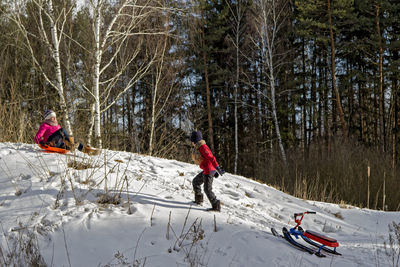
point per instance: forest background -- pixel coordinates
(300, 94)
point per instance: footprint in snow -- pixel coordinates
(228, 185)
(258, 190)
(221, 252)
(232, 194)
(5, 203)
(249, 194)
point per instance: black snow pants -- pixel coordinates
(207, 179)
(58, 138)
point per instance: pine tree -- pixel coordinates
(208, 38)
(319, 27)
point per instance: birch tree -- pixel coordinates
(238, 12)
(49, 27)
(269, 23)
(155, 97)
(111, 38)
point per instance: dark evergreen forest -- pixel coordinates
(303, 95)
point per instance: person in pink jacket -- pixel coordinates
(51, 133)
(203, 156)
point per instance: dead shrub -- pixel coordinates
(113, 199)
(22, 250)
(393, 248)
(79, 165)
(337, 175)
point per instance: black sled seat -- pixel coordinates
(327, 241)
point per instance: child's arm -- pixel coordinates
(40, 133)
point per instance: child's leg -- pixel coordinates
(65, 134)
(56, 139)
(69, 141)
(197, 182)
(208, 180)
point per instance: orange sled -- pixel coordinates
(51, 149)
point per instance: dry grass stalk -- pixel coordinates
(22, 250)
(393, 248)
(151, 217)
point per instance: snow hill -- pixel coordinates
(155, 223)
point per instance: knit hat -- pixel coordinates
(196, 137)
(49, 114)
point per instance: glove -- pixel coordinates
(220, 170)
(42, 143)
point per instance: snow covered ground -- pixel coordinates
(156, 224)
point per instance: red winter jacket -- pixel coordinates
(208, 162)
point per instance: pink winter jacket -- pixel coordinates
(44, 132)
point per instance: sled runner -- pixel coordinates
(315, 239)
(51, 149)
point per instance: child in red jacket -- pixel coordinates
(203, 156)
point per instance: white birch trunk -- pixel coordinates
(153, 118)
(236, 86)
(272, 19)
(236, 122)
(154, 101)
(237, 15)
(237, 33)
(59, 79)
(52, 45)
(91, 124)
(276, 122)
(115, 35)
(96, 74)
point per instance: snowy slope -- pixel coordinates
(156, 225)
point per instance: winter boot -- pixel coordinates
(70, 145)
(198, 199)
(91, 151)
(216, 206)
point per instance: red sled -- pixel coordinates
(51, 149)
(315, 239)
(327, 241)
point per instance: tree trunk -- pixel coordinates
(313, 104)
(382, 132)
(304, 110)
(96, 75)
(60, 85)
(395, 119)
(154, 100)
(238, 19)
(53, 47)
(91, 125)
(113, 37)
(273, 106)
(328, 121)
(210, 124)
(236, 101)
(334, 83)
